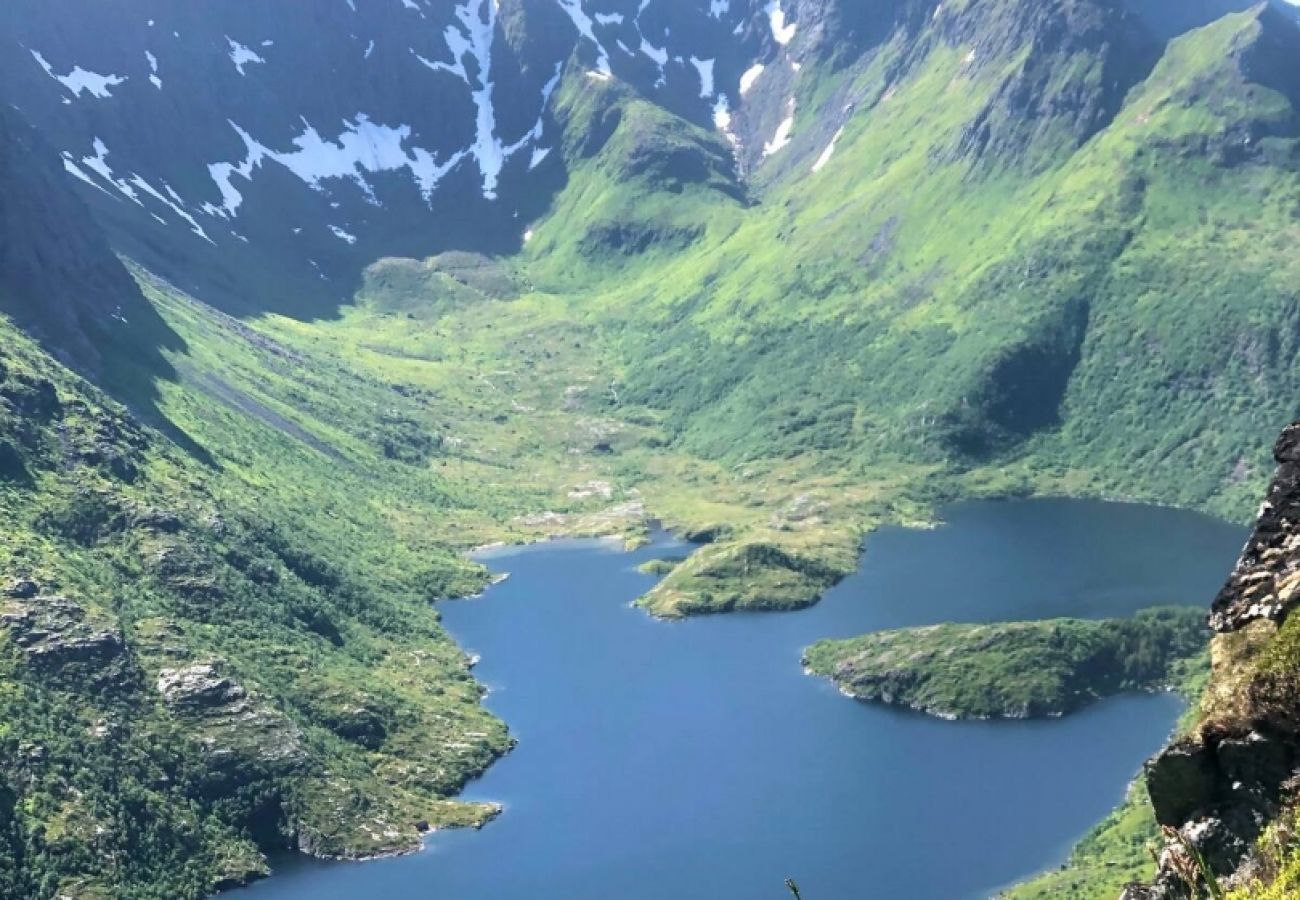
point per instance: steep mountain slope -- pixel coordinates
(200, 667)
(59, 277)
(983, 285)
(771, 272)
(1226, 791)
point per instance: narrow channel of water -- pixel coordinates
(694, 760)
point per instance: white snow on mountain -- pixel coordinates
(363, 147)
(782, 31)
(783, 132)
(705, 68)
(828, 152)
(81, 80)
(586, 27)
(153, 69)
(242, 56)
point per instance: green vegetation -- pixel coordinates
(194, 670)
(658, 567)
(1116, 852)
(1278, 853)
(1041, 260)
(1015, 670)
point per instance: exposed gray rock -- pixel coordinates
(1266, 580)
(21, 588)
(58, 637)
(197, 687)
(235, 727)
(1219, 786)
(1181, 780)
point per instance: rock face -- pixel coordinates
(59, 278)
(1219, 786)
(1266, 581)
(60, 641)
(235, 728)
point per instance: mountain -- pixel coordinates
(232, 145)
(302, 299)
(59, 276)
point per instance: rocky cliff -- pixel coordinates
(1232, 780)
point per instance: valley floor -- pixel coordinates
(532, 440)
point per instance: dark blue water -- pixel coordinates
(695, 760)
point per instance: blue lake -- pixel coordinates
(695, 759)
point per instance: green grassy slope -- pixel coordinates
(201, 663)
(1021, 255)
(1046, 255)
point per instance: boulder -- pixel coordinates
(21, 588)
(1182, 780)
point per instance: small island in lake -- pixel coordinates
(1015, 670)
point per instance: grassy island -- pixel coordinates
(1014, 670)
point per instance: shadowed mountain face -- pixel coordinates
(236, 146)
(59, 277)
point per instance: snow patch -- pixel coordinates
(719, 8)
(79, 80)
(242, 56)
(722, 119)
(750, 76)
(536, 133)
(153, 69)
(586, 27)
(363, 147)
(73, 169)
(826, 154)
(782, 31)
(783, 132)
(705, 68)
(474, 42)
(539, 156)
(131, 187)
(172, 202)
(659, 55)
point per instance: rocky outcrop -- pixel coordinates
(1216, 789)
(1266, 581)
(61, 641)
(59, 278)
(235, 727)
